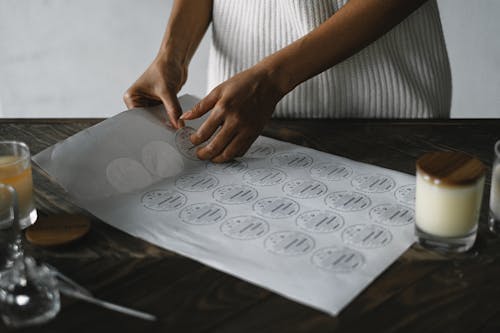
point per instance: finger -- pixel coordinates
(244, 148)
(128, 98)
(218, 143)
(173, 108)
(136, 100)
(207, 129)
(202, 106)
(238, 146)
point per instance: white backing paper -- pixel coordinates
(314, 227)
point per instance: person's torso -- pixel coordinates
(404, 74)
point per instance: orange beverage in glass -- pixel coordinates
(15, 170)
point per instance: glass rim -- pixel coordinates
(21, 157)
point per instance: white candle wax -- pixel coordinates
(447, 210)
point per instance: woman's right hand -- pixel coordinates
(160, 83)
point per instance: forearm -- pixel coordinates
(188, 22)
(353, 27)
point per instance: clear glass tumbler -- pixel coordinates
(494, 221)
(15, 170)
(28, 292)
(7, 216)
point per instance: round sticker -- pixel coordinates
(290, 243)
(320, 221)
(202, 213)
(260, 150)
(127, 175)
(264, 176)
(406, 194)
(196, 182)
(235, 194)
(373, 183)
(347, 201)
(161, 159)
(245, 227)
(367, 236)
(276, 207)
(338, 260)
(331, 171)
(229, 168)
(305, 188)
(183, 143)
(392, 214)
(292, 160)
(163, 200)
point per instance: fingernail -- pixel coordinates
(185, 114)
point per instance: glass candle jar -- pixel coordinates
(448, 200)
(494, 222)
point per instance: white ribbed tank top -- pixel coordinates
(404, 74)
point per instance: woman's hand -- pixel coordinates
(241, 107)
(160, 83)
(165, 77)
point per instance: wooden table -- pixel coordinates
(421, 292)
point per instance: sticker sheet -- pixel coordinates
(314, 227)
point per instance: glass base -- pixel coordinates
(28, 294)
(446, 244)
(494, 223)
(19, 318)
(29, 219)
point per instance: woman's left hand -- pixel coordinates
(241, 107)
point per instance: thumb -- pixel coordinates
(202, 107)
(173, 108)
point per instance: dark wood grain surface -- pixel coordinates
(421, 292)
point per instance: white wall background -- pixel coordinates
(75, 58)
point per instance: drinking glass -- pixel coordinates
(8, 251)
(15, 170)
(494, 221)
(28, 292)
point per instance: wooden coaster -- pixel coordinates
(57, 230)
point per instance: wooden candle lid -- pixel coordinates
(57, 230)
(450, 168)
